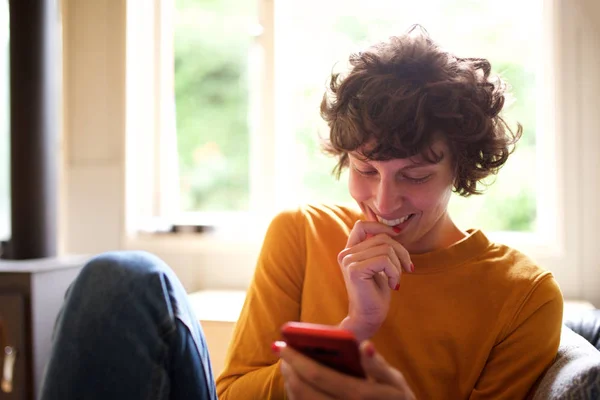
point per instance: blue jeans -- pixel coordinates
(127, 331)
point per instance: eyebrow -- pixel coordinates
(414, 164)
(418, 165)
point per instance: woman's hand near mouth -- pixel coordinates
(372, 265)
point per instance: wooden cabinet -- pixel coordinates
(12, 345)
(31, 294)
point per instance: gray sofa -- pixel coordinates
(575, 373)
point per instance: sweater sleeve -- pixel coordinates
(528, 346)
(251, 369)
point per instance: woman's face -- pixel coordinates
(409, 193)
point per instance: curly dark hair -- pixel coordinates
(399, 95)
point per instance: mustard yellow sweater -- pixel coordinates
(477, 320)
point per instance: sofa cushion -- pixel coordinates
(587, 324)
(575, 373)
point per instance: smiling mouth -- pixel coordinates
(395, 222)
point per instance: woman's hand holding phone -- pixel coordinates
(307, 379)
(372, 265)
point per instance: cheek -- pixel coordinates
(358, 188)
(433, 198)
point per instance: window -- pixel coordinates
(4, 122)
(219, 58)
(561, 164)
(213, 46)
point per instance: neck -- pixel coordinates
(442, 235)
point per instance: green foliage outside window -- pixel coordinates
(212, 45)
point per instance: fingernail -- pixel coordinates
(397, 230)
(370, 350)
(397, 286)
(276, 346)
(412, 267)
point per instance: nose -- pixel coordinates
(387, 198)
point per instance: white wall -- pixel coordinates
(582, 81)
(93, 125)
(92, 204)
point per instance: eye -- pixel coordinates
(418, 180)
(368, 172)
(364, 170)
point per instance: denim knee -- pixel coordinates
(117, 270)
(124, 264)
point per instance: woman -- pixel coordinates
(451, 314)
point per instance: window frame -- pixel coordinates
(5, 202)
(557, 245)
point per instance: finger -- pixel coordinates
(289, 379)
(322, 380)
(363, 228)
(395, 284)
(383, 249)
(372, 254)
(296, 388)
(377, 369)
(374, 365)
(401, 252)
(370, 214)
(381, 280)
(369, 269)
(403, 257)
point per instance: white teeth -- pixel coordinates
(394, 222)
(390, 223)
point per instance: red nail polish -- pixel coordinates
(275, 347)
(370, 350)
(397, 286)
(412, 267)
(397, 230)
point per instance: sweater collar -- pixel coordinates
(472, 245)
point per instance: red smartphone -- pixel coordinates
(333, 347)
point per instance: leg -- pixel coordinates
(126, 331)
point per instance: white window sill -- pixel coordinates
(251, 235)
(226, 258)
(217, 305)
(226, 305)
